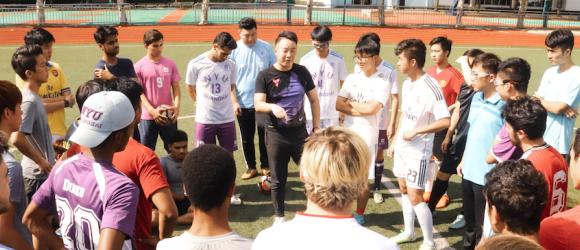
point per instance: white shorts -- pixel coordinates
(414, 170)
(324, 123)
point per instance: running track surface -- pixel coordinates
(346, 34)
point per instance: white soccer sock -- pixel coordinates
(408, 215)
(425, 221)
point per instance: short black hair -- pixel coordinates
(373, 36)
(24, 58)
(517, 70)
(247, 23)
(178, 136)
(3, 145)
(288, 35)
(128, 87)
(38, 36)
(103, 32)
(472, 53)
(526, 113)
(519, 193)
(443, 41)
(561, 38)
(209, 172)
(412, 49)
(367, 47)
(152, 36)
(87, 89)
(10, 96)
(321, 34)
(225, 40)
(489, 62)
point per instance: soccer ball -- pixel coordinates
(265, 185)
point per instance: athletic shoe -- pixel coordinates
(458, 223)
(403, 238)
(378, 197)
(359, 218)
(249, 174)
(278, 220)
(443, 202)
(235, 200)
(426, 246)
(265, 171)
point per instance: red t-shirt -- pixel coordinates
(450, 81)
(560, 231)
(142, 166)
(548, 161)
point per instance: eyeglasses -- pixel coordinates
(475, 75)
(504, 82)
(323, 45)
(361, 58)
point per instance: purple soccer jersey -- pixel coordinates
(89, 197)
(504, 149)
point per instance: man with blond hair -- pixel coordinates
(334, 169)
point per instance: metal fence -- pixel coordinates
(276, 13)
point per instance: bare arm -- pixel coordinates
(394, 114)
(452, 126)
(176, 100)
(431, 128)
(9, 236)
(490, 158)
(192, 92)
(261, 105)
(35, 218)
(18, 139)
(234, 98)
(559, 108)
(163, 200)
(315, 107)
(111, 239)
(357, 109)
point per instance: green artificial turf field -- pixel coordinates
(78, 62)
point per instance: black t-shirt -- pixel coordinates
(465, 95)
(286, 89)
(123, 68)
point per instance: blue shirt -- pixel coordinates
(250, 61)
(485, 121)
(561, 87)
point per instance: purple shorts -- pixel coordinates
(383, 143)
(225, 134)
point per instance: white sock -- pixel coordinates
(425, 221)
(408, 215)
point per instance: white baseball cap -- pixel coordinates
(102, 114)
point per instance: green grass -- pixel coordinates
(78, 62)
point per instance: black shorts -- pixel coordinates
(450, 163)
(439, 137)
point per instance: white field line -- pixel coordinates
(440, 242)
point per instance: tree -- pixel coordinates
(522, 13)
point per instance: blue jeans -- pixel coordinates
(149, 130)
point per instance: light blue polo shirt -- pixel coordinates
(250, 61)
(560, 87)
(484, 121)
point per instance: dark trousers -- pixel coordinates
(283, 144)
(149, 130)
(474, 210)
(247, 123)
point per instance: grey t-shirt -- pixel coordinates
(187, 241)
(35, 125)
(172, 170)
(17, 194)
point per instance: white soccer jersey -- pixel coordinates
(423, 104)
(389, 74)
(326, 74)
(359, 88)
(213, 82)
